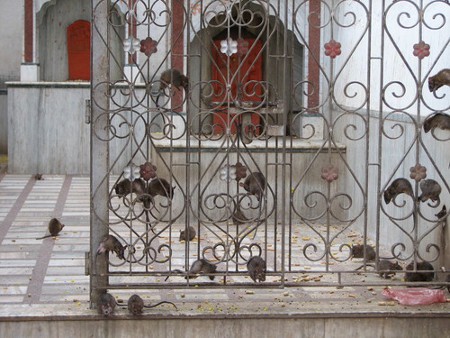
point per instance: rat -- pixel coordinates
(198, 267)
(126, 187)
(111, 243)
(175, 78)
(172, 77)
(357, 251)
(443, 213)
(160, 186)
(436, 120)
(438, 80)
(202, 266)
(430, 190)
(388, 268)
(256, 267)
(136, 305)
(255, 184)
(397, 187)
(54, 228)
(106, 304)
(419, 276)
(190, 234)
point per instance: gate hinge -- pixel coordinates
(87, 111)
(87, 263)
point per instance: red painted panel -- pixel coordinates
(241, 69)
(79, 50)
(28, 44)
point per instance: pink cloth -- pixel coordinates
(416, 296)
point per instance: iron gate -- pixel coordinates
(289, 130)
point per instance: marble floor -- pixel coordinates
(46, 277)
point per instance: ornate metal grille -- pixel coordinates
(288, 130)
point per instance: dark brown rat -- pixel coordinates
(111, 243)
(387, 268)
(54, 228)
(202, 266)
(358, 250)
(436, 120)
(137, 187)
(256, 267)
(422, 276)
(126, 187)
(438, 80)
(106, 304)
(442, 213)
(160, 186)
(255, 184)
(175, 78)
(397, 187)
(189, 234)
(430, 190)
(136, 305)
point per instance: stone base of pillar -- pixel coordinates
(29, 72)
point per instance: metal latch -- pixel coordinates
(87, 263)
(87, 111)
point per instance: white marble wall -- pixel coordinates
(3, 124)
(47, 133)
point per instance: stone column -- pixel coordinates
(29, 69)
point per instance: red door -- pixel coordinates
(240, 69)
(79, 50)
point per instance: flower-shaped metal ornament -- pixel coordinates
(421, 50)
(131, 45)
(131, 173)
(228, 46)
(228, 173)
(329, 173)
(332, 49)
(147, 171)
(418, 172)
(149, 46)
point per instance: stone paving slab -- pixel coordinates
(40, 278)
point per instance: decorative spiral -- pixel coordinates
(153, 253)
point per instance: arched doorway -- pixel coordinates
(276, 81)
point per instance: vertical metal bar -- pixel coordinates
(416, 213)
(99, 147)
(288, 102)
(380, 127)
(367, 138)
(327, 113)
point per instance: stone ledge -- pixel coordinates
(293, 145)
